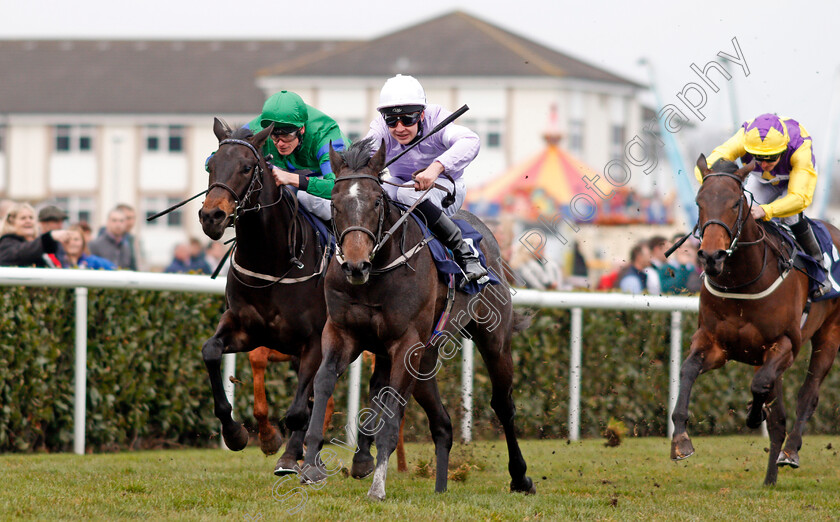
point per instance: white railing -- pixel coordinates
(81, 280)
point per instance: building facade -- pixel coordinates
(90, 124)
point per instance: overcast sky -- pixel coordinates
(792, 51)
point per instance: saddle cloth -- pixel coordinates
(445, 263)
(811, 265)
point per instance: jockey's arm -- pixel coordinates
(461, 147)
(801, 185)
(732, 149)
(319, 186)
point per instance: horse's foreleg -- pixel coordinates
(235, 435)
(270, 438)
(778, 358)
(338, 351)
(704, 355)
(776, 420)
(363, 460)
(823, 353)
(428, 397)
(402, 465)
(298, 414)
(297, 418)
(392, 400)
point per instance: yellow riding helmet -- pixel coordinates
(766, 135)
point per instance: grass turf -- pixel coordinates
(579, 480)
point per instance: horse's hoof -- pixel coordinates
(788, 458)
(361, 469)
(286, 465)
(271, 443)
(312, 475)
(376, 496)
(236, 438)
(526, 486)
(681, 447)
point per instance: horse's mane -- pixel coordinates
(722, 165)
(358, 155)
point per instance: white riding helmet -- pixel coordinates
(401, 90)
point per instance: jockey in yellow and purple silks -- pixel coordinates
(784, 179)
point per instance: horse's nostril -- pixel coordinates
(218, 215)
(364, 267)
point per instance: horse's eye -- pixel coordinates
(377, 203)
(246, 169)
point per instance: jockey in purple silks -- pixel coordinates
(405, 118)
(784, 179)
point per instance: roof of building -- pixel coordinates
(218, 77)
(139, 77)
(454, 44)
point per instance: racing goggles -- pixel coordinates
(406, 119)
(769, 158)
(286, 134)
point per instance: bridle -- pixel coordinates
(739, 222)
(240, 201)
(379, 239)
(739, 226)
(384, 209)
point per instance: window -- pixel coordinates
(617, 139)
(73, 138)
(576, 136)
(489, 131)
(176, 138)
(353, 128)
(153, 205)
(171, 137)
(78, 208)
(62, 138)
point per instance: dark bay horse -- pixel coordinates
(392, 312)
(275, 291)
(751, 308)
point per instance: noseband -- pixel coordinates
(739, 222)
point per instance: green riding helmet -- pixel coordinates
(284, 109)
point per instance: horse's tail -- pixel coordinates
(522, 320)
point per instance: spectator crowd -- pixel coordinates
(48, 241)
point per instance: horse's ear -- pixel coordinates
(221, 129)
(702, 165)
(263, 135)
(745, 170)
(336, 161)
(377, 162)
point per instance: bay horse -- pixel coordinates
(391, 311)
(751, 308)
(274, 292)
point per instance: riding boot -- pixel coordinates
(450, 235)
(808, 241)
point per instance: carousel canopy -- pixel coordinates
(542, 185)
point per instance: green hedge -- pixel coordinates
(147, 385)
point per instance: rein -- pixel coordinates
(725, 291)
(379, 239)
